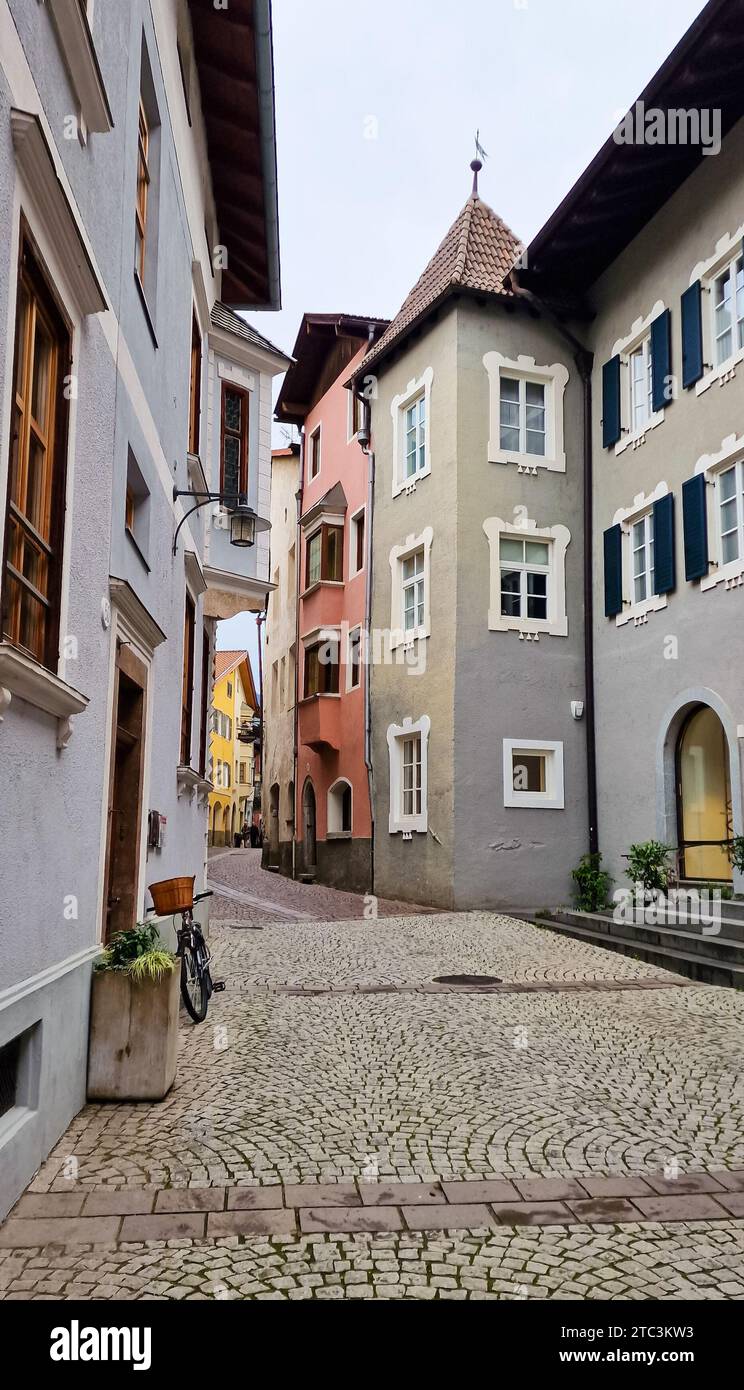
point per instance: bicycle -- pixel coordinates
(197, 985)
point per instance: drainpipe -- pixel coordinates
(365, 436)
(260, 620)
(584, 360)
(296, 721)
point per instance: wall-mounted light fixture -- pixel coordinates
(245, 524)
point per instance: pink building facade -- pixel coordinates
(332, 816)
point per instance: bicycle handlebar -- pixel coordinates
(208, 893)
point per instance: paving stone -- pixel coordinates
(124, 1201)
(448, 1217)
(616, 1186)
(350, 1219)
(40, 1204)
(63, 1230)
(309, 1194)
(531, 1213)
(601, 1209)
(733, 1181)
(549, 1189)
(258, 1222)
(191, 1199)
(684, 1184)
(396, 1193)
(493, 1190)
(163, 1226)
(733, 1202)
(254, 1198)
(693, 1207)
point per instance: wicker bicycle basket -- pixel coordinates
(172, 895)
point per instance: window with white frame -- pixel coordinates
(527, 577)
(415, 438)
(533, 774)
(356, 544)
(410, 564)
(523, 416)
(525, 570)
(642, 557)
(724, 474)
(728, 310)
(641, 386)
(639, 558)
(413, 591)
(354, 659)
(526, 412)
(314, 453)
(411, 415)
(730, 507)
(340, 798)
(408, 749)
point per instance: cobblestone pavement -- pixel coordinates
(282, 1088)
(254, 895)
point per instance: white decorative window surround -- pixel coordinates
(340, 810)
(553, 380)
(724, 472)
(20, 675)
(410, 464)
(638, 557)
(410, 605)
(72, 22)
(557, 539)
(533, 774)
(637, 415)
(408, 749)
(728, 253)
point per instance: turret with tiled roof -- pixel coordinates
(475, 257)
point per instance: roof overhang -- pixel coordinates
(626, 184)
(228, 594)
(318, 336)
(234, 58)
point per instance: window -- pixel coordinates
(356, 549)
(642, 550)
(143, 186)
(340, 809)
(354, 659)
(243, 772)
(229, 690)
(37, 471)
(324, 555)
(533, 774)
(730, 498)
(528, 577)
(234, 452)
(728, 310)
(641, 386)
(205, 694)
(408, 749)
(525, 569)
(356, 415)
(129, 511)
(415, 438)
(137, 508)
(321, 668)
(315, 453)
(413, 592)
(188, 682)
(522, 416)
(195, 387)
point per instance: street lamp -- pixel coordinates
(244, 523)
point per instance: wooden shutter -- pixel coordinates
(613, 571)
(664, 567)
(695, 520)
(692, 335)
(611, 402)
(661, 359)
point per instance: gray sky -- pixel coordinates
(544, 80)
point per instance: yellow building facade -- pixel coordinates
(232, 747)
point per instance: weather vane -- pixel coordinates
(477, 163)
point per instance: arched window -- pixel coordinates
(340, 808)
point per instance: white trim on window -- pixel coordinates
(359, 516)
(357, 628)
(558, 539)
(730, 454)
(413, 545)
(728, 249)
(398, 735)
(334, 810)
(552, 798)
(415, 390)
(317, 433)
(628, 517)
(637, 340)
(554, 379)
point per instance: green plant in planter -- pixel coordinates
(648, 864)
(592, 883)
(726, 891)
(139, 953)
(736, 852)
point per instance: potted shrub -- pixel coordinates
(592, 883)
(133, 1042)
(649, 867)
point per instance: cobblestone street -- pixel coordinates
(343, 1126)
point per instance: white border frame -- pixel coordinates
(349, 688)
(727, 249)
(396, 733)
(626, 517)
(551, 800)
(559, 539)
(353, 522)
(398, 636)
(623, 348)
(555, 379)
(339, 834)
(416, 387)
(312, 477)
(711, 466)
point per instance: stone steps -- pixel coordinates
(708, 959)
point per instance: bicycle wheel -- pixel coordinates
(194, 984)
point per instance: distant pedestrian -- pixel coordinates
(245, 832)
(254, 837)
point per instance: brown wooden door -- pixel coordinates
(125, 796)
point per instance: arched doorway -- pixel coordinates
(308, 825)
(704, 812)
(226, 826)
(274, 822)
(216, 823)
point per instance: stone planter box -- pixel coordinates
(133, 1042)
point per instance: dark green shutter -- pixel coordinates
(613, 571)
(692, 335)
(611, 402)
(661, 359)
(664, 544)
(695, 520)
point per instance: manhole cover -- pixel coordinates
(467, 980)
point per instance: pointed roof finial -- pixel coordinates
(477, 163)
